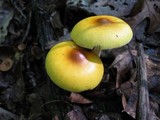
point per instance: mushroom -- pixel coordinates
(6, 58)
(73, 68)
(101, 32)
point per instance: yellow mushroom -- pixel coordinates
(73, 68)
(104, 31)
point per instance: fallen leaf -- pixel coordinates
(153, 67)
(152, 40)
(129, 90)
(123, 64)
(75, 114)
(77, 98)
(155, 97)
(130, 105)
(112, 7)
(103, 6)
(55, 117)
(149, 10)
(104, 117)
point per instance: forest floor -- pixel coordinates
(130, 88)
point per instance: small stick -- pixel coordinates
(17, 8)
(28, 27)
(143, 106)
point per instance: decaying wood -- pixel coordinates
(143, 93)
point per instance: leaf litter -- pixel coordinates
(149, 9)
(31, 31)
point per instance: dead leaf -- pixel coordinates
(112, 7)
(77, 98)
(153, 68)
(153, 72)
(155, 97)
(102, 7)
(152, 40)
(104, 117)
(123, 65)
(129, 90)
(55, 117)
(130, 104)
(149, 10)
(75, 114)
(130, 107)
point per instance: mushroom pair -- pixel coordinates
(75, 69)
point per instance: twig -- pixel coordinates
(17, 8)
(143, 106)
(28, 27)
(56, 101)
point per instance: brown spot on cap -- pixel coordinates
(77, 56)
(103, 21)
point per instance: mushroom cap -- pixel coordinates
(103, 30)
(73, 68)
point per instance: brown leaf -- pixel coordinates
(129, 90)
(149, 10)
(153, 68)
(153, 73)
(123, 64)
(130, 105)
(75, 114)
(55, 117)
(77, 98)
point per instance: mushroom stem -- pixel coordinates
(97, 50)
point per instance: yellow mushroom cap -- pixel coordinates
(73, 68)
(103, 30)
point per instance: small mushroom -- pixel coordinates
(6, 58)
(5, 64)
(101, 32)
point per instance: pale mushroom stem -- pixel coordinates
(97, 50)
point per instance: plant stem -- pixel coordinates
(97, 50)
